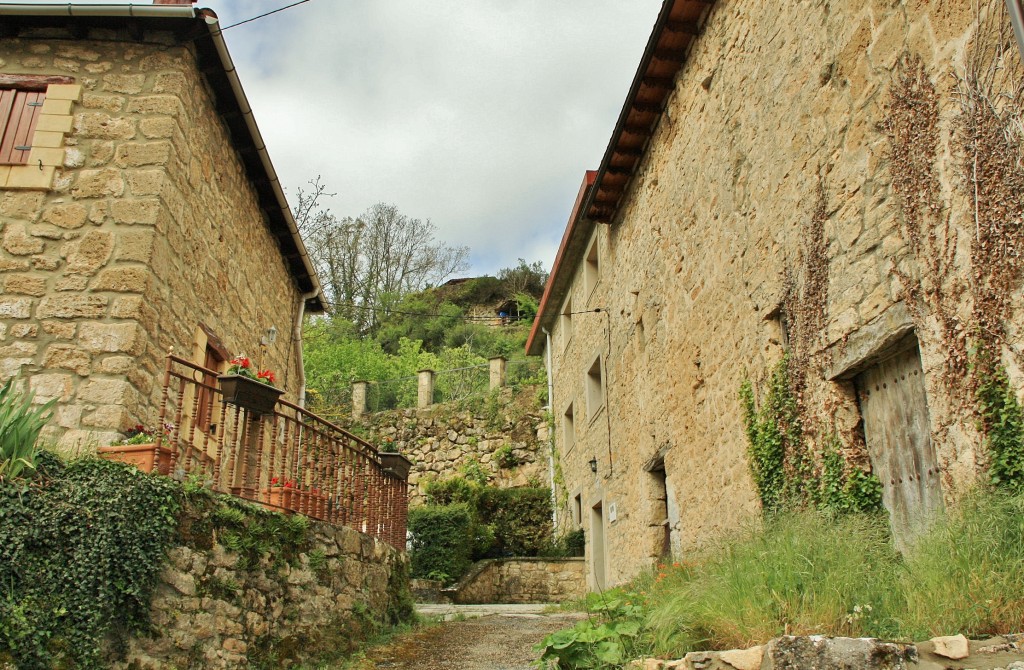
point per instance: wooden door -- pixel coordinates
(894, 406)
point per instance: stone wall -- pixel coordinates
(150, 227)
(209, 612)
(773, 136)
(522, 580)
(443, 440)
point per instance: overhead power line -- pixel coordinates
(257, 18)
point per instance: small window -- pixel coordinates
(568, 429)
(577, 510)
(595, 388)
(592, 267)
(565, 323)
(19, 112)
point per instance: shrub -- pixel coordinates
(964, 576)
(442, 541)
(520, 517)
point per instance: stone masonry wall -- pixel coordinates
(150, 227)
(442, 441)
(776, 115)
(208, 612)
(523, 580)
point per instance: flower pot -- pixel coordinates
(255, 396)
(139, 455)
(395, 464)
(278, 498)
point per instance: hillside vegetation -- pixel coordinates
(454, 327)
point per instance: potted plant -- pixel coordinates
(139, 448)
(281, 494)
(392, 462)
(249, 389)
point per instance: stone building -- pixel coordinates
(140, 212)
(839, 180)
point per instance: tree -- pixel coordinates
(526, 278)
(368, 264)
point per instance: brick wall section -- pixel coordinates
(694, 262)
(150, 226)
(522, 580)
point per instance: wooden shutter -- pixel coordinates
(19, 111)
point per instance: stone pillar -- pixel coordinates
(498, 365)
(425, 392)
(359, 399)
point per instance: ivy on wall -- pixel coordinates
(80, 550)
(786, 472)
(1002, 419)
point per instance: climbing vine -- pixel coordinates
(80, 551)
(785, 472)
(990, 91)
(933, 285)
(1002, 419)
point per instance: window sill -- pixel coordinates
(595, 415)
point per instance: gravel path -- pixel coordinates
(499, 641)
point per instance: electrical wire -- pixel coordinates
(256, 18)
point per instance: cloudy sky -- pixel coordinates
(480, 115)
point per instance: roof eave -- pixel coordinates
(559, 282)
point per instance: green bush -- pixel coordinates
(80, 551)
(442, 541)
(20, 425)
(501, 522)
(520, 517)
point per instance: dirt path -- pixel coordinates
(501, 641)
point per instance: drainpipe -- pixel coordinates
(297, 338)
(1017, 19)
(551, 429)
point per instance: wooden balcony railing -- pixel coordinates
(290, 459)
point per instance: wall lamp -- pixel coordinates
(270, 337)
(593, 465)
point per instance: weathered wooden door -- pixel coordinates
(895, 410)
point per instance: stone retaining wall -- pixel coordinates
(211, 612)
(522, 580)
(443, 441)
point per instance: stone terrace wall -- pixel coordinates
(770, 158)
(150, 228)
(442, 440)
(522, 580)
(210, 613)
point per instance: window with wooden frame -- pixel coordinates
(19, 113)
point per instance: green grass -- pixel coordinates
(806, 573)
(967, 575)
(800, 574)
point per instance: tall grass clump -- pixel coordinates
(800, 573)
(966, 575)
